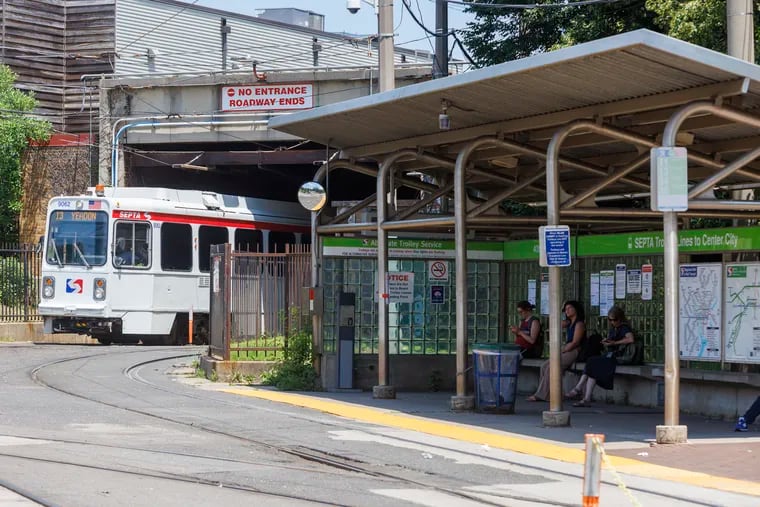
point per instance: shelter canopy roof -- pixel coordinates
(631, 82)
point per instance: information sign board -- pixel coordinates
(669, 179)
(554, 245)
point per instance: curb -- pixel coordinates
(508, 442)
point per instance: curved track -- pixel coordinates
(328, 462)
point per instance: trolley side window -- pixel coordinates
(208, 236)
(278, 240)
(77, 238)
(176, 247)
(132, 248)
(248, 240)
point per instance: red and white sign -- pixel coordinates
(268, 97)
(399, 287)
(130, 215)
(438, 271)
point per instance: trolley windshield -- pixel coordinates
(77, 238)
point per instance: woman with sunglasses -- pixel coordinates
(575, 331)
(600, 370)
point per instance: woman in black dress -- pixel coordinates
(601, 369)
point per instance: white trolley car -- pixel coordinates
(132, 264)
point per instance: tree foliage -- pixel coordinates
(498, 35)
(17, 129)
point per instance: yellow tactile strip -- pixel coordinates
(500, 441)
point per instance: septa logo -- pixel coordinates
(74, 286)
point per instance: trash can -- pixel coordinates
(495, 368)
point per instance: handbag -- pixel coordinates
(630, 353)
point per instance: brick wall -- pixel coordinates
(50, 171)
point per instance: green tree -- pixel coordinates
(17, 128)
(500, 35)
(701, 22)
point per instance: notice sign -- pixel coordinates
(268, 97)
(401, 287)
(646, 282)
(634, 281)
(554, 245)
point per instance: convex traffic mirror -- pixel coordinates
(312, 196)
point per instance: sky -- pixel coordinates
(364, 22)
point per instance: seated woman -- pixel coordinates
(575, 331)
(600, 370)
(528, 333)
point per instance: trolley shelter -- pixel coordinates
(636, 133)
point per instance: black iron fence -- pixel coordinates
(20, 266)
(255, 301)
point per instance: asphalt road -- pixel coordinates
(110, 426)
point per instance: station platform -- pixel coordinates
(715, 456)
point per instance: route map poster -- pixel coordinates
(699, 315)
(742, 313)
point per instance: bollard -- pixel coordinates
(592, 469)
(190, 327)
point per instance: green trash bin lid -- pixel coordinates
(501, 347)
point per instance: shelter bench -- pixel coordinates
(719, 394)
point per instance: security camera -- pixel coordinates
(353, 6)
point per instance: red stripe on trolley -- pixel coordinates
(212, 221)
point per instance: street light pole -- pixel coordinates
(385, 41)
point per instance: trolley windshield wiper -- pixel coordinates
(55, 253)
(81, 255)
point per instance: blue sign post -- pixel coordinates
(554, 245)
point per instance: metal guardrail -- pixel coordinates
(252, 297)
(20, 266)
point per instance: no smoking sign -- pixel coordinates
(438, 271)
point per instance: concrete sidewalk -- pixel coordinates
(714, 457)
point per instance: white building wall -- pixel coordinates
(186, 38)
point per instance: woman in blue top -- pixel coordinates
(575, 331)
(601, 369)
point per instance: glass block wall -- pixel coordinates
(646, 317)
(421, 327)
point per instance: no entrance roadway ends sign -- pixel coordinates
(268, 97)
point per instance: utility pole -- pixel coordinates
(385, 41)
(740, 29)
(441, 65)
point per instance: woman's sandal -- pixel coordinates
(582, 403)
(572, 394)
(532, 398)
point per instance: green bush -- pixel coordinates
(295, 372)
(11, 281)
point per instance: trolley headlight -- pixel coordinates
(99, 289)
(48, 287)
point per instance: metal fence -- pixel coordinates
(256, 301)
(20, 266)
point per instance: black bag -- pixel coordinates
(630, 353)
(591, 346)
